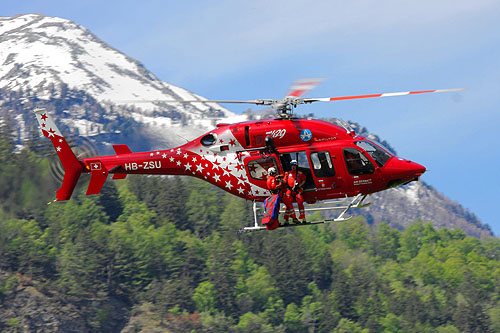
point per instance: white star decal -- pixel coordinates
(178, 152)
(199, 168)
(185, 155)
(164, 155)
(228, 185)
(178, 163)
(58, 148)
(157, 153)
(241, 190)
(60, 140)
(241, 181)
(188, 166)
(151, 154)
(194, 159)
(172, 159)
(217, 178)
(226, 173)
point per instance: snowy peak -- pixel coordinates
(40, 52)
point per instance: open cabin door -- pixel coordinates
(302, 164)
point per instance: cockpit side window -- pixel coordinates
(357, 164)
(379, 155)
(322, 164)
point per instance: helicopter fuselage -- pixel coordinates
(235, 157)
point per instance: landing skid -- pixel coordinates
(340, 204)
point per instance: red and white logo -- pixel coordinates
(95, 166)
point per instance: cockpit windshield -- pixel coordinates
(378, 154)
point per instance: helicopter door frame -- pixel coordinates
(304, 165)
(360, 170)
(323, 169)
(256, 166)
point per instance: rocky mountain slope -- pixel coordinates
(417, 201)
(57, 64)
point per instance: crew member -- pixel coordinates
(277, 185)
(295, 179)
(274, 183)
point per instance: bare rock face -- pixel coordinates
(24, 308)
(418, 201)
(28, 310)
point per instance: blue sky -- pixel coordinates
(255, 49)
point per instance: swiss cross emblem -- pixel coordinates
(95, 166)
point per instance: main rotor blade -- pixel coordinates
(331, 99)
(257, 102)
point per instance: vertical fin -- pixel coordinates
(72, 166)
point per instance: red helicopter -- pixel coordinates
(341, 168)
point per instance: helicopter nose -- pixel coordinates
(401, 171)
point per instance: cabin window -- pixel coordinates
(357, 163)
(379, 155)
(258, 168)
(300, 157)
(208, 139)
(247, 135)
(322, 164)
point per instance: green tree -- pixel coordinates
(251, 322)
(386, 241)
(348, 326)
(292, 319)
(205, 297)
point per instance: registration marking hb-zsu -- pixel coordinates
(144, 165)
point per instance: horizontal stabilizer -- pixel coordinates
(122, 149)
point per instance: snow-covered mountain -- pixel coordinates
(57, 64)
(44, 56)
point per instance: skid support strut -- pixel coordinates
(341, 204)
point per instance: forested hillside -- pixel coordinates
(160, 253)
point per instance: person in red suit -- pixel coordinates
(277, 185)
(274, 183)
(295, 179)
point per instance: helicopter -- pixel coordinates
(341, 168)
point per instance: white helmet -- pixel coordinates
(271, 171)
(293, 162)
